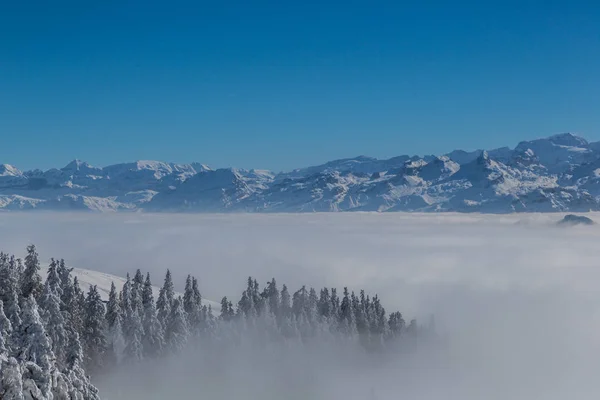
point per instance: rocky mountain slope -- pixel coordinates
(558, 173)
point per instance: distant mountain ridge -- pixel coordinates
(557, 173)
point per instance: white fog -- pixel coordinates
(515, 298)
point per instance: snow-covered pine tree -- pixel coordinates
(324, 305)
(80, 387)
(53, 278)
(227, 312)
(138, 279)
(31, 283)
(286, 303)
(196, 292)
(347, 322)
(165, 300)
(153, 341)
(192, 305)
(74, 306)
(272, 297)
(94, 328)
(65, 275)
(34, 351)
(133, 333)
(11, 381)
(299, 301)
(9, 289)
(137, 286)
(53, 317)
(114, 322)
(396, 324)
(5, 331)
(177, 331)
(126, 296)
(113, 308)
(188, 296)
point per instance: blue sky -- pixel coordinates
(279, 85)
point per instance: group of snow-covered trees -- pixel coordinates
(53, 335)
(43, 331)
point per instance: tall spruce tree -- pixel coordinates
(165, 300)
(54, 319)
(11, 381)
(177, 331)
(35, 350)
(94, 328)
(31, 283)
(5, 331)
(153, 341)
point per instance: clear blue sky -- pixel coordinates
(282, 84)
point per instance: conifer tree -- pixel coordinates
(53, 279)
(165, 300)
(74, 306)
(9, 289)
(227, 312)
(34, 349)
(133, 332)
(80, 385)
(32, 281)
(196, 292)
(188, 296)
(286, 306)
(177, 328)
(11, 382)
(113, 308)
(114, 322)
(272, 296)
(54, 319)
(94, 328)
(325, 304)
(5, 331)
(396, 324)
(347, 321)
(153, 341)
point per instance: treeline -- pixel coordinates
(53, 335)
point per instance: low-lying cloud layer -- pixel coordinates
(516, 297)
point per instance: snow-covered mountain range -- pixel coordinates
(558, 173)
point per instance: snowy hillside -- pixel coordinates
(103, 282)
(558, 173)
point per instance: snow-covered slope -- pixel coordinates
(558, 173)
(103, 281)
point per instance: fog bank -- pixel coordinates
(515, 297)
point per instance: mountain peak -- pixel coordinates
(568, 139)
(76, 164)
(9, 170)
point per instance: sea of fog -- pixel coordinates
(515, 297)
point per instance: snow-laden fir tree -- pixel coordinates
(53, 317)
(5, 331)
(35, 352)
(31, 282)
(11, 379)
(166, 296)
(94, 329)
(79, 385)
(114, 321)
(10, 288)
(177, 331)
(153, 340)
(286, 302)
(74, 305)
